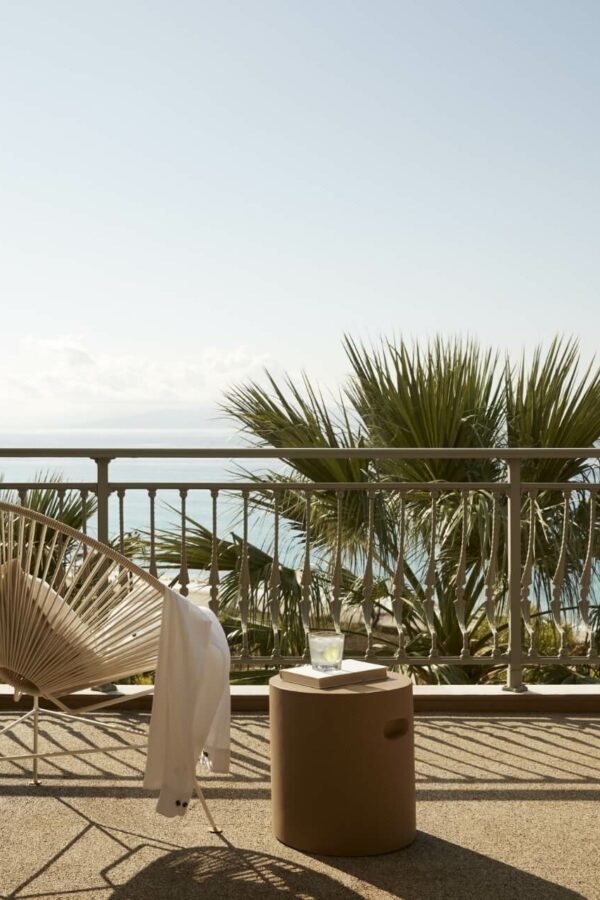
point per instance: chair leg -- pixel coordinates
(36, 729)
(213, 826)
(16, 722)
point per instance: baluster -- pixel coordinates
(398, 601)
(558, 579)
(461, 576)
(430, 579)
(214, 579)
(84, 518)
(244, 601)
(152, 498)
(527, 574)
(121, 495)
(491, 576)
(275, 579)
(61, 513)
(22, 492)
(184, 579)
(84, 511)
(336, 601)
(23, 499)
(61, 503)
(586, 579)
(103, 492)
(367, 602)
(306, 580)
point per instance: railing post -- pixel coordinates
(515, 649)
(103, 496)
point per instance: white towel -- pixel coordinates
(191, 707)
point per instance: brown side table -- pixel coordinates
(342, 767)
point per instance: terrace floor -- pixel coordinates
(508, 807)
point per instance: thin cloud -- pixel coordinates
(61, 380)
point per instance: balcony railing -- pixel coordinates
(304, 526)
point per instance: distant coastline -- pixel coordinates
(136, 508)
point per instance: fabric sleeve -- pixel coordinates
(216, 744)
(171, 763)
(191, 708)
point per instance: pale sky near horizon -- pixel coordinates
(191, 190)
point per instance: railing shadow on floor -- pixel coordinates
(548, 758)
(467, 757)
(120, 775)
(63, 735)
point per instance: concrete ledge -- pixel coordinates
(441, 699)
(250, 698)
(130, 693)
(246, 698)
(538, 698)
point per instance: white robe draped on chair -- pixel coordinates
(191, 707)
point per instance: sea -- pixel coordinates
(136, 507)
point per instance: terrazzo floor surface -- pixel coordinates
(508, 807)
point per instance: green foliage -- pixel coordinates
(448, 393)
(48, 502)
(260, 562)
(550, 403)
(67, 507)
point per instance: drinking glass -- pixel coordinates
(326, 650)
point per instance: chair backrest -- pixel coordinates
(74, 613)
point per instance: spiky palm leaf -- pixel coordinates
(446, 394)
(199, 551)
(65, 505)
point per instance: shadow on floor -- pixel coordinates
(225, 873)
(431, 869)
(434, 869)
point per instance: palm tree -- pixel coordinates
(448, 393)
(67, 506)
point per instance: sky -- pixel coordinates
(192, 191)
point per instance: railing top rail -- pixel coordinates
(111, 453)
(498, 487)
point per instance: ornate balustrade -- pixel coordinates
(443, 574)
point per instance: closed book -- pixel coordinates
(353, 671)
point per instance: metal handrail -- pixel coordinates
(111, 453)
(513, 488)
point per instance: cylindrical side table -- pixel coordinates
(342, 767)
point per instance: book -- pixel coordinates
(353, 671)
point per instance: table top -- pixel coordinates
(393, 682)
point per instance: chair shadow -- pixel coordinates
(430, 869)
(226, 873)
(434, 869)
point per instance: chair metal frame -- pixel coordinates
(18, 526)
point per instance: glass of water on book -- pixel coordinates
(326, 650)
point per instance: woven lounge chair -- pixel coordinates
(74, 614)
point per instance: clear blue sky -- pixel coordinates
(190, 189)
